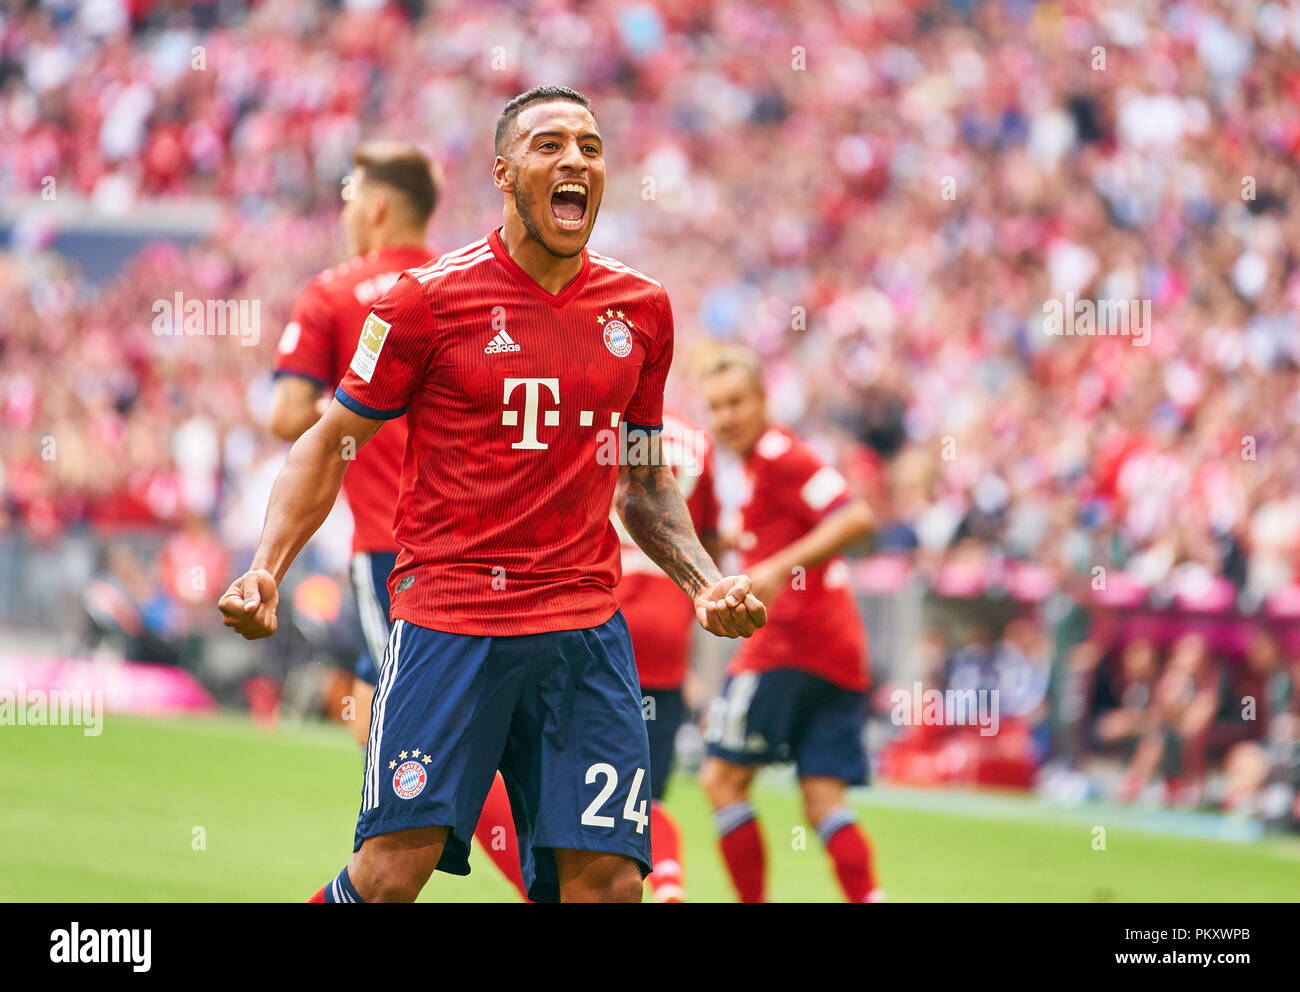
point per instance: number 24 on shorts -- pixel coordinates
(592, 818)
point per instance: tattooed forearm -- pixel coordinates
(655, 514)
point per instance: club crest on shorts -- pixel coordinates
(617, 334)
(410, 779)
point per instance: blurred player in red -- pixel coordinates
(796, 691)
(661, 622)
(392, 195)
(531, 373)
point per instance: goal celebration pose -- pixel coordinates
(531, 372)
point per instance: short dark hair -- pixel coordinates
(538, 94)
(403, 167)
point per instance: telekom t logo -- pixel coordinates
(510, 418)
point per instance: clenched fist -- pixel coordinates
(249, 604)
(729, 608)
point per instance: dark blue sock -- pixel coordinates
(341, 890)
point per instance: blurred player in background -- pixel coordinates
(661, 622)
(391, 197)
(797, 690)
(533, 370)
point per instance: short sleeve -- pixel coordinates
(646, 408)
(392, 354)
(307, 345)
(818, 490)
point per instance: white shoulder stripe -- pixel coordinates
(467, 263)
(614, 265)
(455, 265)
(450, 256)
(462, 251)
(447, 261)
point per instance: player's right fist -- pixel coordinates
(249, 604)
(730, 609)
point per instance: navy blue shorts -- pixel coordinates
(785, 715)
(663, 710)
(558, 713)
(370, 570)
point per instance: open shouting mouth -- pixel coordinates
(569, 205)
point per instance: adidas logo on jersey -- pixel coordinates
(502, 342)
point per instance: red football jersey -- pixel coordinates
(515, 399)
(318, 343)
(659, 616)
(816, 628)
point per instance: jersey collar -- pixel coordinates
(556, 300)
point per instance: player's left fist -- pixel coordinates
(729, 608)
(249, 604)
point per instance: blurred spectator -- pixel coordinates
(1022, 663)
(1170, 734)
(125, 608)
(1122, 701)
(1264, 774)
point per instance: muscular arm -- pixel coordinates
(307, 486)
(654, 512)
(839, 530)
(301, 499)
(712, 542)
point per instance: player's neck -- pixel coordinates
(551, 272)
(753, 442)
(400, 238)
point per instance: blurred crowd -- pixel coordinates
(1171, 712)
(1148, 708)
(879, 197)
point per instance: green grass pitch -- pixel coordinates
(118, 818)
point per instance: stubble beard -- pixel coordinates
(524, 206)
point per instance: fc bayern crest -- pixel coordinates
(618, 339)
(409, 779)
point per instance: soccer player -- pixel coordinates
(797, 690)
(531, 373)
(393, 194)
(660, 621)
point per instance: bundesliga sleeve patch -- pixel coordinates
(374, 332)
